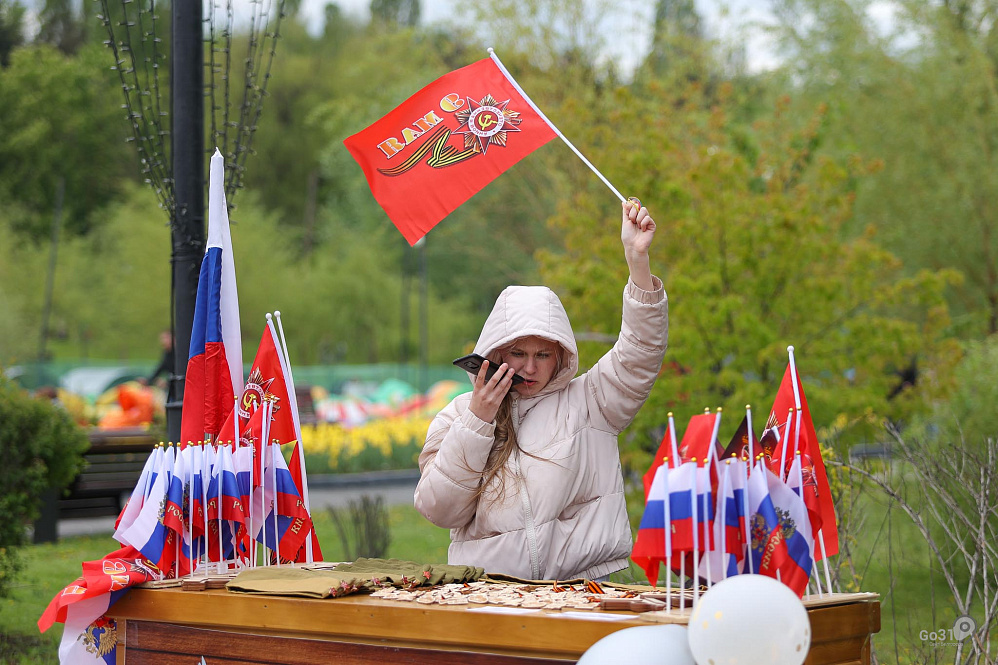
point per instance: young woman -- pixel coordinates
(527, 477)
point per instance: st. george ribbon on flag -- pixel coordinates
(447, 142)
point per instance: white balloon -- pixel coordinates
(749, 620)
(644, 645)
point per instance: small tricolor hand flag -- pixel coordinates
(445, 143)
(215, 363)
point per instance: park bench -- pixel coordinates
(114, 462)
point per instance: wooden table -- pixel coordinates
(160, 626)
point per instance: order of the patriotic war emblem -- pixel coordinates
(483, 123)
(256, 391)
(486, 123)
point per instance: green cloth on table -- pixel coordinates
(362, 574)
(275, 581)
(379, 572)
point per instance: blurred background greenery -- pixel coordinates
(837, 195)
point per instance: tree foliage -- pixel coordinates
(11, 29)
(59, 119)
(921, 94)
(42, 448)
(755, 256)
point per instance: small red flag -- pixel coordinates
(445, 143)
(698, 439)
(817, 494)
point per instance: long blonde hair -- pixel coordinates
(505, 434)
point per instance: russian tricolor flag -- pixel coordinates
(667, 523)
(215, 362)
(800, 543)
(284, 510)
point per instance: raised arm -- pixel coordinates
(637, 229)
(618, 385)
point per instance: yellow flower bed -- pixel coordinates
(387, 439)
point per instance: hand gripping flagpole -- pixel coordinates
(509, 77)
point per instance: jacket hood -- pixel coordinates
(525, 311)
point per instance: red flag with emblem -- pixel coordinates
(817, 493)
(444, 144)
(117, 571)
(266, 382)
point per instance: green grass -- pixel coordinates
(892, 544)
(48, 568)
(412, 537)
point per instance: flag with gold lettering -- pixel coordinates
(445, 143)
(89, 636)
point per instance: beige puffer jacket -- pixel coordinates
(563, 514)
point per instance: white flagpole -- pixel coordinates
(668, 518)
(695, 491)
(275, 450)
(724, 517)
(264, 436)
(526, 97)
(797, 403)
(748, 517)
(708, 532)
(751, 449)
(800, 483)
(672, 440)
(235, 447)
(682, 580)
(205, 481)
(300, 447)
(176, 554)
(783, 450)
(221, 550)
(252, 532)
(189, 527)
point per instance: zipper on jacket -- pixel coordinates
(528, 513)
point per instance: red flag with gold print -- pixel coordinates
(445, 143)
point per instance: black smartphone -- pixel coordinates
(473, 362)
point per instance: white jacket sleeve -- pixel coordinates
(620, 382)
(451, 465)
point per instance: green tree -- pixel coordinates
(394, 14)
(755, 259)
(11, 29)
(286, 174)
(42, 448)
(59, 118)
(920, 93)
(63, 26)
(112, 286)
(678, 41)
